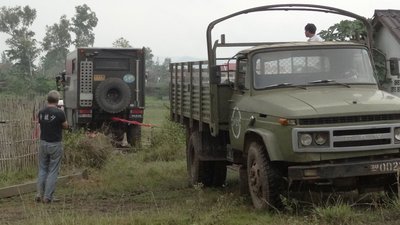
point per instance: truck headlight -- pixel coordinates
(306, 139)
(321, 138)
(397, 133)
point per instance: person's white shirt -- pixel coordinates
(316, 37)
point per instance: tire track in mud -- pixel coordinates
(16, 210)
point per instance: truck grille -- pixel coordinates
(348, 119)
(349, 138)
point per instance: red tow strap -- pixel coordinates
(133, 122)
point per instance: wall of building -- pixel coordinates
(385, 41)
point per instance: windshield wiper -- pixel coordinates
(328, 81)
(285, 85)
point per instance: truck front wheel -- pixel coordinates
(264, 179)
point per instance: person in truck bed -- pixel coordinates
(310, 30)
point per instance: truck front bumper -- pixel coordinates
(343, 170)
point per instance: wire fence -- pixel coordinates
(19, 133)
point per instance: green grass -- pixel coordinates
(16, 177)
(128, 190)
(156, 111)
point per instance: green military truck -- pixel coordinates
(295, 114)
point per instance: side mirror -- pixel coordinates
(63, 77)
(58, 82)
(394, 66)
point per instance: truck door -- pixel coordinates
(240, 93)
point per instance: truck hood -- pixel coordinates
(324, 101)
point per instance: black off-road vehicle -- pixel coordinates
(101, 84)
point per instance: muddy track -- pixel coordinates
(22, 208)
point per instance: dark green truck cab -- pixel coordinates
(296, 114)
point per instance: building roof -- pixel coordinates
(390, 19)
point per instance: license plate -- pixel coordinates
(99, 77)
(385, 167)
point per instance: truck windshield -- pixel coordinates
(304, 67)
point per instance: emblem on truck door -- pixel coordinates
(235, 122)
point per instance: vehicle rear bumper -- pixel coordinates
(343, 170)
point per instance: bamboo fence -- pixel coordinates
(19, 133)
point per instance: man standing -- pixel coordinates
(310, 30)
(52, 120)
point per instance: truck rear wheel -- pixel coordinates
(265, 181)
(208, 173)
(133, 135)
(219, 173)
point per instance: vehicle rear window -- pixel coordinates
(111, 64)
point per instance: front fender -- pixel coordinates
(270, 142)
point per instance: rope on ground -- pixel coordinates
(133, 122)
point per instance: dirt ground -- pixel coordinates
(18, 209)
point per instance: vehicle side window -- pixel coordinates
(242, 81)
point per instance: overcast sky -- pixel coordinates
(177, 28)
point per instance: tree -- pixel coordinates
(82, 25)
(149, 57)
(345, 30)
(158, 78)
(4, 58)
(121, 43)
(55, 45)
(15, 21)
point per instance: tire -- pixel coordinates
(113, 95)
(114, 132)
(265, 181)
(208, 173)
(392, 188)
(133, 135)
(243, 181)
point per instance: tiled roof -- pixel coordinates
(388, 18)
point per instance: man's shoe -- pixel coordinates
(38, 199)
(46, 201)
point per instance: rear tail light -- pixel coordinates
(136, 111)
(85, 113)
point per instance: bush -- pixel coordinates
(167, 144)
(86, 149)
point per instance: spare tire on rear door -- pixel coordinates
(113, 95)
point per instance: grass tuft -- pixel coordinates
(86, 150)
(333, 214)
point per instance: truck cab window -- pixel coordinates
(242, 81)
(300, 67)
